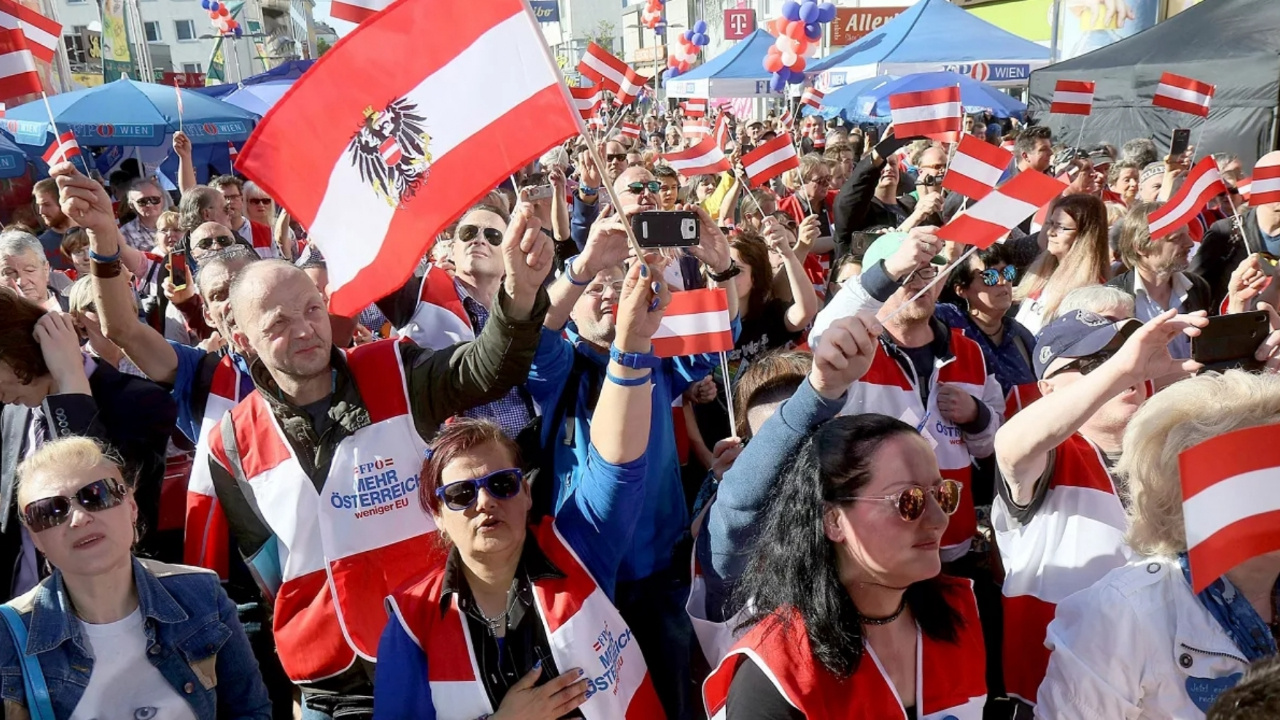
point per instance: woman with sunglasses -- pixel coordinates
(116, 636)
(851, 616)
(519, 623)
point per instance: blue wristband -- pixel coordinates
(568, 273)
(104, 259)
(638, 361)
(628, 382)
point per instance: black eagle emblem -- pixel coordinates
(391, 150)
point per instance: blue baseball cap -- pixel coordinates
(1078, 334)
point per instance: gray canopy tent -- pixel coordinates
(1233, 44)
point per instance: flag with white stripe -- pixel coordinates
(1230, 501)
(429, 139)
(721, 132)
(587, 99)
(695, 322)
(812, 97)
(976, 168)
(62, 149)
(18, 74)
(627, 129)
(935, 114)
(696, 128)
(356, 11)
(705, 158)
(1183, 94)
(1203, 184)
(604, 68)
(1263, 188)
(1072, 97)
(992, 217)
(632, 85)
(40, 32)
(769, 160)
(694, 107)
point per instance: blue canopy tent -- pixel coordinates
(844, 101)
(930, 36)
(291, 70)
(259, 98)
(735, 73)
(13, 161)
(975, 96)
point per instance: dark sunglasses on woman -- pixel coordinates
(40, 515)
(501, 484)
(991, 276)
(911, 502)
(467, 233)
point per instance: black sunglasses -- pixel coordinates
(1084, 365)
(221, 240)
(461, 495)
(467, 233)
(40, 515)
(652, 186)
(260, 201)
(149, 200)
(615, 157)
(991, 276)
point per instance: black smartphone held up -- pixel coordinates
(1181, 139)
(1229, 341)
(665, 228)
(178, 270)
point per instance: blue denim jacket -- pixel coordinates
(193, 639)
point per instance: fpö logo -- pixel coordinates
(609, 649)
(996, 72)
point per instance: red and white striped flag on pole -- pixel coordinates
(935, 114)
(587, 99)
(375, 200)
(41, 33)
(1203, 184)
(976, 168)
(1263, 188)
(696, 128)
(627, 129)
(1072, 97)
(770, 160)
(992, 217)
(1183, 94)
(705, 158)
(62, 149)
(603, 68)
(694, 107)
(633, 83)
(787, 118)
(18, 74)
(812, 97)
(721, 132)
(696, 322)
(1230, 501)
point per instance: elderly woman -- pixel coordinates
(1139, 643)
(116, 636)
(852, 618)
(519, 623)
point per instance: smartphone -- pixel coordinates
(1229, 341)
(1181, 139)
(178, 270)
(538, 192)
(665, 228)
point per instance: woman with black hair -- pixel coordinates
(851, 617)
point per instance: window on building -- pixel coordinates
(186, 29)
(77, 51)
(152, 29)
(191, 68)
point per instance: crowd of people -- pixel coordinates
(948, 488)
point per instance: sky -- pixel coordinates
(321, 14)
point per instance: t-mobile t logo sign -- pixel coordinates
(739, 23)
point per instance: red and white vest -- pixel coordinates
(262, 240)
(583, 627)
(1074, 538)
(714, 638)
(206, 540)
(1019, 397)
(888, 390)
(344, 547)
(440, 320)
(950, 677)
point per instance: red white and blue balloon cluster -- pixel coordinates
(651, 16)
(798, 33)
(220, 17)
(682, 54)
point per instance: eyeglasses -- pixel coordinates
(637, 188)
(928, 272)
(910, 503)
(991, 276)
(467, 233)
(1054, 226)
(598, 290)
(149, 200)
(821, 180)
(220, 240)
(615, 157)
(260, 201)
(1084, 365)
(229, 198)
(50, 512)
(461, 495)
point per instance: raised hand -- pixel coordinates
(713, 247)
(845, 354)
(606, 245)
(644, 300)
(1145, 355)
(920, 247)
(182, 144)
(527, 254)
(60, 345)
(83, 199)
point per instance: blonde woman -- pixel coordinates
(1075, 254)
(1139, 644)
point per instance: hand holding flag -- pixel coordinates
(696, 322)
(704, 158)
(643, 307)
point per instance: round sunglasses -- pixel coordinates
(501, 484)
(991, 276)
(467, 233)
(40, 515)
(911, 502)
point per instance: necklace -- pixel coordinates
(865, 620)
(500, 620)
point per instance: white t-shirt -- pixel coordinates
(124, 684)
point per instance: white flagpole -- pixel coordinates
(937, 278)
(728, 387)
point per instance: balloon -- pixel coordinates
(687, 35)
(222, 11)
(826, 12)
(702, 39)
(700, 26)
(813, 31)
(204, 4)
(213, 15)
(239, 31)
(779, 82)
(773, 61)
(783, 43)
(798, 65)
(810, 51)
(797, 77)
(791, 10)
(789, 58)
(809, 11)
(214, 5)
(795, 30)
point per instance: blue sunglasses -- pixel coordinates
(501, 484)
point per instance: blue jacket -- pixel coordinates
(663, 517)
(193, 639)
(580, 220)
(723, 548)
(1010, 367)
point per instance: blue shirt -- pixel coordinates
(511, 411)
(186, 394)
(1270, 242)
(1006, 361)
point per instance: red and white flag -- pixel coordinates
(374, 200)
(1183, 94)
(976, 168)
(40, 32)
(1072, 97)
(770, 160)
(603, 68)
(1230, 501)
(356, 11)
(721, 132)
(696, 322)
(705, 158)
(696, 128)
(812, 97)
(935, 114)
(1263, 188)
(695, 107)
(787, 118)
(1203, 184)
(587, 99)
(633, 84)
(18, 74)
(627, 129)
(2, 109)
(596, 122)
(62, 149)
(992, 217)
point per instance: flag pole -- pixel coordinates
(728, 386)
(178, 93)
(1080, 137)
(937, 278)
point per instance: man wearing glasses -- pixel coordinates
(147, 202)
(254, 233)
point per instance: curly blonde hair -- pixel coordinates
(1175, 419)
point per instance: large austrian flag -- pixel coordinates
(1203, 184)
(976, 168)
(18, 74)
(935, 114)
(1230, 501)
(992, 217)
(696, 322)
(392, 134)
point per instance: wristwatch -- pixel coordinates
(637, 361)
(733, 271)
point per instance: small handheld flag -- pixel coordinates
(992, 217)
(62, 149)
(770, 160)
(1183, 94)
(935, 114)
(1203, 183)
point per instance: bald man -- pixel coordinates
(1224, 247)
(323, 459)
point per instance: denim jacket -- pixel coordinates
(193, 639)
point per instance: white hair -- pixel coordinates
(1098, 299)
(17, 242)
